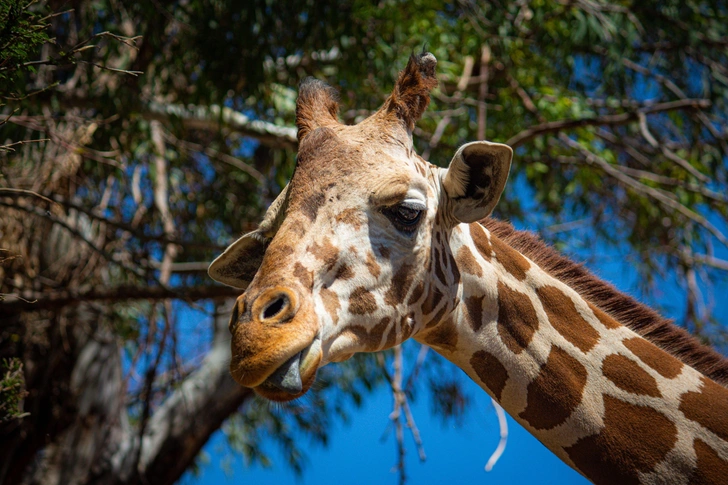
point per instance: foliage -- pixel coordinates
(22, 33)
(12, 390)
(161, 130)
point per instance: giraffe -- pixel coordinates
(370, 245)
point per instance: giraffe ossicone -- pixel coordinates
(370, 245)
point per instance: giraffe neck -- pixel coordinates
(605, 400)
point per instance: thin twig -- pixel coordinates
(396, 415)
(47, 300)
(612, 120)
(218, 155)
(659, 195)
(645, 130)
(503, 425)
(9, 146)
(6, 191)
(47, 215)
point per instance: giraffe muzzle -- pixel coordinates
(276, 344)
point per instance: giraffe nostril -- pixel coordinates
(275, 307)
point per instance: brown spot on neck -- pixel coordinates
(439, 268)
(405, 330)
(453, 270)
(468, 263)
(605, 319)
(369, 339)
(556, 391)
(296, 228)
(326, 253)
(442, 337)
(480, 239)
(401, 282)
(710, 468)
(331, 303)
(304, 276)
(490, 371)
(344, 272)
(351, 216)
(416, 293)
(383, 251)
(510, 259)
(517, 320)
(708, 407)
(474, 311)
(311, 205)
(629, 376)
(634, 439)
(432, 301)
(665, 364)
(564, 317)
(437, 318)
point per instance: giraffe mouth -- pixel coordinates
(293, 379)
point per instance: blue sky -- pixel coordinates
(357, 455)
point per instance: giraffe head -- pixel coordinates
(352, 256)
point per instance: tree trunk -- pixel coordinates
(92, 440)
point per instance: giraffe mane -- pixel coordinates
(625, 309)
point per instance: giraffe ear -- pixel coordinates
(317, 106)
(476, 178)
(411, 93)
(237, 266)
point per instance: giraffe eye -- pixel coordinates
(405, 216)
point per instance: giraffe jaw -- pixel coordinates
(295, 376)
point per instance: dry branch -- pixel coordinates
(48, 300)
(656, 194)
(610, 120)
(214, 117)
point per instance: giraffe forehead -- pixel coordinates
(359, 165)
(348, 150)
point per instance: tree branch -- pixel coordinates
(503, 425)
(55, 299)
(645, 130)
(213, 117)
(612, 120)
(47, 215)
(184, 422)
(93, 213)
(206, 118)
(218, 155)
(656, 194)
